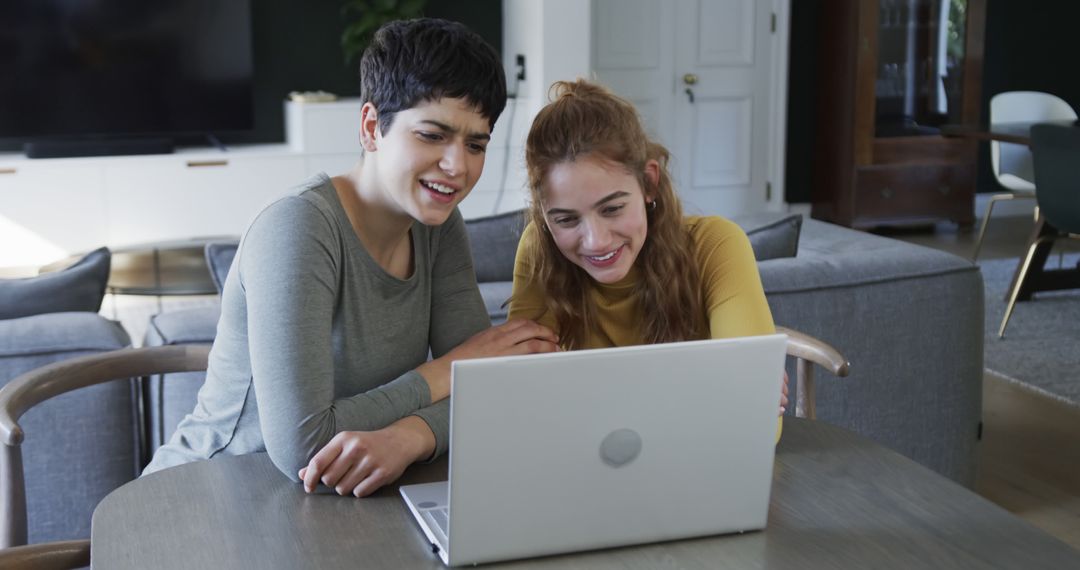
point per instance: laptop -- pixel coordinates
(580, 450)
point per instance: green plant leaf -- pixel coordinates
(366, 16)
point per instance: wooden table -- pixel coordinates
(838, 501)
(1037, 279)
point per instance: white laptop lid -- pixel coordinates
(527, 476)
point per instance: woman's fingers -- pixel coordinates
(321, 462)
(533, 346)
(373, 482)
(339, 467)
(517, 331)
(354, 477)
(358, 463)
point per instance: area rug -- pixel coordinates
(1041, 348)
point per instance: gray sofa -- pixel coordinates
(79, 446)
(907, 317)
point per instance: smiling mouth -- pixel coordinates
(440, 188)
(439, 192)
(606, 259)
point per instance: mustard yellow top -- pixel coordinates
(734, 298)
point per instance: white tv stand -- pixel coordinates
(53, 207)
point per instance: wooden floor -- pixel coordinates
(1029, 456)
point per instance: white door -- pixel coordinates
(703, 74)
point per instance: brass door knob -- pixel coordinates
(689, 79)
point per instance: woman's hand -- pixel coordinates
(360, 462)
(518, 336)
(784, 395)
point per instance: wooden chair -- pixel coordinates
(36, 386)
(61, 555)
(807, 352)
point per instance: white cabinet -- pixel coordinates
(48, 210)
(176, 197)
(323, 128)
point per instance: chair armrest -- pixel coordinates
(808, 351)
(36, 386)
(806, 347)
(62, 555)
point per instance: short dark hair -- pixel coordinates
(412, 61)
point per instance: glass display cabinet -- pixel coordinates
(891, 73)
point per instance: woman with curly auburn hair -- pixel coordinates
(608, 258)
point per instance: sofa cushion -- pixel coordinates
(494, 241)
(840, 257)
(58, 333)
(219, 258)
(195, 325)
(772, 236)
(79, 287)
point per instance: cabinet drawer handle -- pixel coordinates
(8, 171)
(886, 192)
(202, 163)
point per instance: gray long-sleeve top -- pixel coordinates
(315, 338)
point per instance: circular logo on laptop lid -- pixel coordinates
(620, 447)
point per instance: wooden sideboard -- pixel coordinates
(891, 72)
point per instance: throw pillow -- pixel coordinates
(772, 237)
(79, 287)
(493, 241)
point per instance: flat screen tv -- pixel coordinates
(107, 69)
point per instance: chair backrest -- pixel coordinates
(219, 258)
(1022, 107)
(57, 379)
(1056, 152)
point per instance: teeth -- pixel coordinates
(439, 187)
(604, 257)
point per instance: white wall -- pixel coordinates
(554, 37)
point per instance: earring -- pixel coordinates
(652, 205)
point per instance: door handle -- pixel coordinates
(690, 94)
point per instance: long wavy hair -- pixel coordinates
(584, 118)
